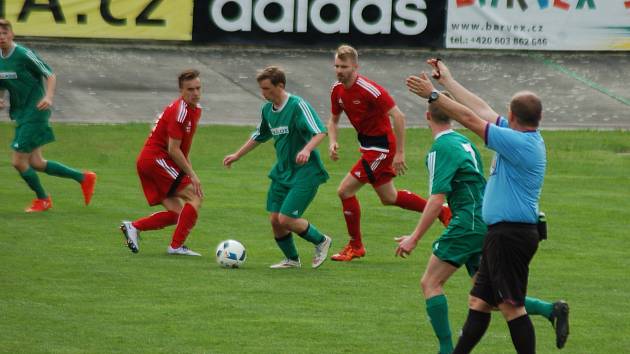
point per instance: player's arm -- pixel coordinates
(249, 145)
(333, 128)
(422, 86)
(2, 103)
(460, 93)
(406, 244)
(47, 101)
(176, 154)
(304, 154)
(399, 130)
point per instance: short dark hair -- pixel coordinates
(275, 74)
(527, 108)
(437, 114)
(186, 75)
(6, 24)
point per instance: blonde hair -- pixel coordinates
(6, 25)
(345, 52)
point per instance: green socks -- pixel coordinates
(30, 177)
(535, 306)
(312, 235)
(437, 309)
(287, 246)
(54, 168)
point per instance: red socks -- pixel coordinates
(186, 222)
(156, 221)
(352, 214)
(410, 201)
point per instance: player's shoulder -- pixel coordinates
(176, 109)
(336, 86)
(369, 86)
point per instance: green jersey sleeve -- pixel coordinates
(36, 65)
(442, 167)
(262, 133)
(308, 118)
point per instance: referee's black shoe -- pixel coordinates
(560, 321)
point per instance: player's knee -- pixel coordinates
(388, 200)
(38, 163)
(430, 285)
(343, 193)
(19, 165)
(477, 304)
(285, 221)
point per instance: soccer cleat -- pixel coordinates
(445, 215)
(38, 205)
(87, 186)
(321, 252)
(131, 236)
(183, 251)
(560, 321)
(349, 253)
(286, 263)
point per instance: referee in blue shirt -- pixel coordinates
(510, 207)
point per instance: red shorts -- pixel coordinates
(374, 167)
(160, 178)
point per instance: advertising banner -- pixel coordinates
(539, 24)
(133, 19)
(416, 23)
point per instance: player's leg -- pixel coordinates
(389, 195)
(186, 220)
(20, 161)
(351, 208)
(293, 207)
(476, 324)
(86, 179)
(282, 234)
(432, 282)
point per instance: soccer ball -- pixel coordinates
(231, 254)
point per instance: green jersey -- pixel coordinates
(22, 73)
(456, 170)
(292, 126)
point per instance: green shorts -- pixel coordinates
(31, 135)
(459, 246)
(290, 201)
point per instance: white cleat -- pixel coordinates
(321, 252)
(286, 263)
(182, 251)
(131, 235)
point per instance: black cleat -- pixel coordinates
(560, 321)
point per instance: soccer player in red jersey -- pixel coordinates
(369, 107)
(165, 172)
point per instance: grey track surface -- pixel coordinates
(106, 82)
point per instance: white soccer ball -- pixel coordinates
(231, 254)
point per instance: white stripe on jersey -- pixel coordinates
(256, 134)
(309, 117)
(332, 87)
(373, 148)
(431, 165)
(377, 162)
(369, 87)
(38, 62)
(170, 170)
(181, 113)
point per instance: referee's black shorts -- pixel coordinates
(507, 250)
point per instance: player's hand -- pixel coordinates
(45, 103)
(420, 85)
(399, 164)
(440, 71)
(333, 149)
(229, 159)
(406, 245)
(303, 156)
(197, 185)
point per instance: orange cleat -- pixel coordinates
(87, 186)
(445, 215)
(39, 205)
(348, 253)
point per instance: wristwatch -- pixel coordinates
(434, 95)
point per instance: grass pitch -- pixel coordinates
(69, 285)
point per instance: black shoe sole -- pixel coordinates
(561, 323)
(130, 244)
